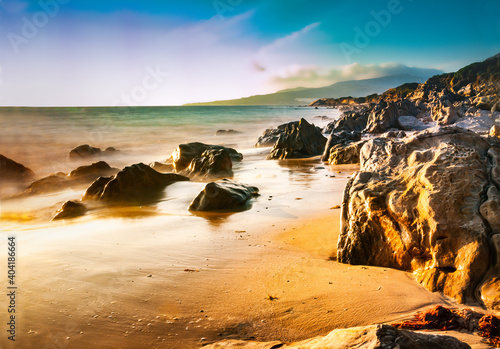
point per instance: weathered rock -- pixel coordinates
(489, 290)
(13, 171)
(495, 131)
(224, 195)
(54, 182)
(70, 209)
(416, 203)
(86, 151)
(299, 140)
(352, 120)
(490, 209)
(345, 154)
(369, 337)
(382, 118)
(411, 123)
(185, 153)
(343, 138)
(270, 136)
(226, 132)
(444, 114)
(406, 107)
(212, 163)
(134, 184)
(162, 167)
(92, 172)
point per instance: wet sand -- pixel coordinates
(260, 275)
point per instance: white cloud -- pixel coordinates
(281, 42)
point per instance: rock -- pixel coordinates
(134, 184)
(54, 182)
(411, 123)
(13, 171)
(495, 131)
(395, 134)
(86, 151)
(489, 290)
(345, 154)
(70, 209)
(270, 136)
(212, 163)
(92, 172)
(416, 202)
(376, 336)
(185, 153)
(226, 132)
(299, 140)
(490, 209)
(353, 120)
(224, 195)
(382, 118)
(343, 138)
(162, 167)
(406, 107)
(444, 114)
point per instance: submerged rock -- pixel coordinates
(376, 336)
(300, 139)
(134, 184)
(13, 171)
(185, 153)
(224, 195)
(91, 172)
(54, 182)
(227, 132)
(70, 209)
(416, 202)
(85, 151)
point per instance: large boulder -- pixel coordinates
(224, 195)
(415, 205)
(345, 154)
(342, 138)
(70, 209)
(270, 136)
(212, 163)
(299, 140)
(13, 171)
(185, 153)
(369, 337)
(92, 172)
(383, 117)
(134, 184)
(351, 120)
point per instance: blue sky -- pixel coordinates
(76, 52)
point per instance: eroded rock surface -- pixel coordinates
(134, 184)
(224, 195)
(300, 139)
(185, 153)
(415, 205)
(212, 163)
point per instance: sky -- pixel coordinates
(171, 52)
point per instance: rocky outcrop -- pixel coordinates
(343, 139)
(86, 151)
(444, 113)
(13, 171)
(224, 195)
(270, 136)
(345, 154)
(92, 172)
(133, 185)
(70, 209)
(185, 153)
(416, 201)
(351, 120)
(383, 117)
(212, 163)
(300, 139)
(376, 336)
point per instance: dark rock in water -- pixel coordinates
(212, 163)
(343, 154)
(299, 140)
(185, 153)
(224, 195)
(349, 121)
(58, 181)
(134, 184)
(70, 209)
(382, 118)
(13, 171)
(270, 136)
(416, 202)
(92, 172)
(343, 138)
(226, 132)
(85, 151)
(162, 167)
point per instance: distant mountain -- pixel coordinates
(303, 96)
